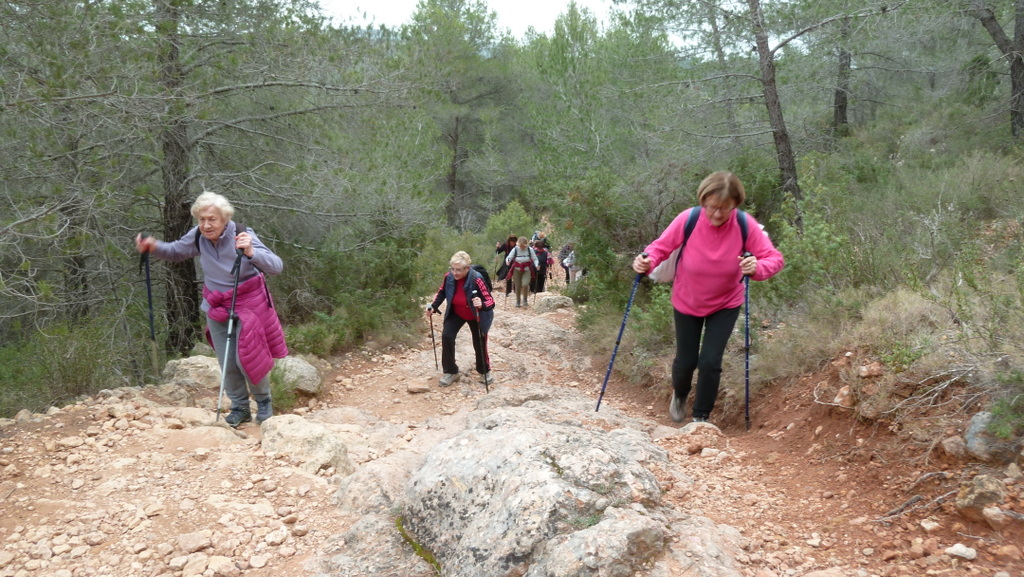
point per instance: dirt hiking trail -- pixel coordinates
(114, 486)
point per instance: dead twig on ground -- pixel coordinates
(817, 387)
(900, 510)
(943, 474)
(929, 398)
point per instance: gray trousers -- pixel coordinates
(234, 380)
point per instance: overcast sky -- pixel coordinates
(516, 15)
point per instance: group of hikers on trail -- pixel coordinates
(724, 247)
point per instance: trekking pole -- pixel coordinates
(746, 344)
(154, 357)
(433, 342)
(235, 269)
(618, 340)
(480, 336)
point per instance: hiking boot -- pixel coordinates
(675, 408)
(519, 303)
(448, 379)
(700, 419)
(264, 410)
(488, 378)
(237, 417)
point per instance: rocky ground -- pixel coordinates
(126, 484)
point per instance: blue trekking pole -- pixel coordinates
(746, 343)
(618, 340)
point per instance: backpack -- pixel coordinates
(199, 235)
(665, 272)
(482, 271)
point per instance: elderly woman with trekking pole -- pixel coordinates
(469, 301)
(233, 261)
(718, 255)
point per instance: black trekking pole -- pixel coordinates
(618, 340)
(433, 342)
(154, 357)
(746, 344)
(480, 336)
(235, 269)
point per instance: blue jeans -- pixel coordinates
(704, 357)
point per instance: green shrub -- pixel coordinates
(282, 392)
(62, 362)
(1008, 410)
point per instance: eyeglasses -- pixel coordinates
(457, 269)
(712, 209)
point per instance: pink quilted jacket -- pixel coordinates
(261, 339)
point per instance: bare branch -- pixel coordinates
(820, 24)
(36, 216)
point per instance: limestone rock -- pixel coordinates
(978, 493)
(311, 444)
(198, 372)
(299, 375)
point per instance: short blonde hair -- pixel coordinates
(722, 185)
(215, 200)
(523, 241)
(461, 258)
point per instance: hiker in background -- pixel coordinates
(523, 261)
(563, 256)
(542, 241)
(707, 291)
(572, 269)
(260, 339)
(503, 249)
(469, 301)
(537, 284)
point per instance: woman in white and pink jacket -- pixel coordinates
(708, 290)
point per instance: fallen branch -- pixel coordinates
(906, 507)
(826, 403)
(944, 475)
(900, 510)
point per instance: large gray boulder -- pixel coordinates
(547, 304)
(197, 372)
(985, 446)
(534, 484)
(299, 375)
(513, 490)
(311, 445)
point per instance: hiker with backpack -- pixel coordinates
(708, 284)
(217, 241)
(543, 258)
(468, 294)
(523, 262)
(503, 249)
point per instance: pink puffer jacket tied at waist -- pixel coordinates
(260, 336)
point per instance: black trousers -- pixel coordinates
(478, 329)
(701, 355)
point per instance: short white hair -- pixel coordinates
(207, 199)
(462, 257)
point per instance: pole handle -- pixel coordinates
(239, 253)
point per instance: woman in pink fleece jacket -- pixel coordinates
(708, 287)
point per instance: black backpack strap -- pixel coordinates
(691, 222)
(197, 239)
(741, 219)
